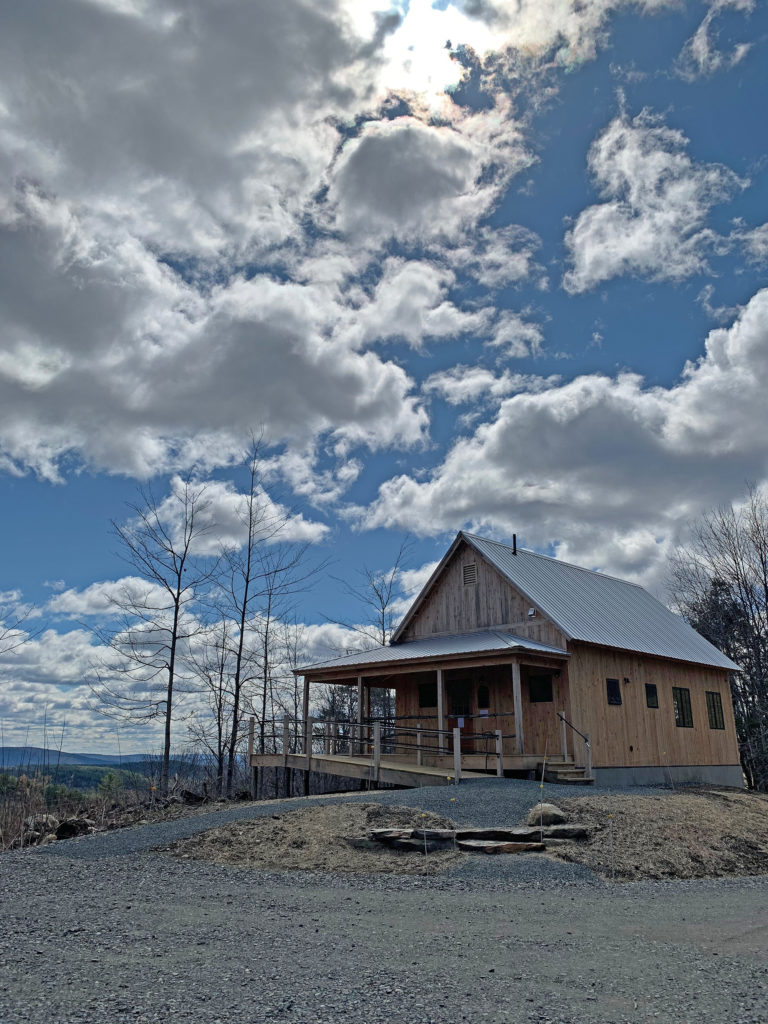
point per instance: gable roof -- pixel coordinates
(589, 606)
(482, 642)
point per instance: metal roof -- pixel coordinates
(599, 609)
(437, 647)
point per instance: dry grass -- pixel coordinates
(318, 839)
(699, 834)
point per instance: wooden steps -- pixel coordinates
(563, 773)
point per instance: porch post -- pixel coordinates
(517, 697)
(440, 704)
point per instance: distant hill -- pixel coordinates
(19, 757)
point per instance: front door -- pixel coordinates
(461, 697)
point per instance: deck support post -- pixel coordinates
(440, 705)
(588, 758)
(254, 772)
(517, 699)
(419, 756)
(457, 755)
(305, 706)
(359, 730)
(333, 738)
(310, 723)
(376, 750)
(499, 754)
(563, 736)
(286, 739)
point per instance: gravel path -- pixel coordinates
(100, 930)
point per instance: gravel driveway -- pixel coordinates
(101, 930)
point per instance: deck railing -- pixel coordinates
(391, 737)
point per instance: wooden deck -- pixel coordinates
(399, 772)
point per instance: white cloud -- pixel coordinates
(700, 55)
(652, 221)
(223, 518)
(460, 385)
(516, 336)
(108, 598)
(403, 178)
(607, 470)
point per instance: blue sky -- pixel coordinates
(514, 285)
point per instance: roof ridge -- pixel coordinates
(551, 558)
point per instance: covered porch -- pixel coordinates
(487, 703)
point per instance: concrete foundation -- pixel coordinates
(681, 774)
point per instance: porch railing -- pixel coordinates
(383, 737)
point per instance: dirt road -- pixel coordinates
(145, 938)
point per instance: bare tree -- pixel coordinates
(210, 659)
(719, 582)
(376, 591)
(259, 580)
(13, 622)
(157, 623)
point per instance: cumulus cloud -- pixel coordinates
(403, 178)
(461, 385)
(410, 302)
(652, 221)
(108, 598)
(605, 470)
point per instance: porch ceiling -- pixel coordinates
(436, 649)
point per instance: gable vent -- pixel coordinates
(470, 574)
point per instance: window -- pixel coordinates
(428, 695)
(470, 574)
(540, 689)
(715, 710)
(613, 689)
(651, 695)
(681, 701)
(483, 698)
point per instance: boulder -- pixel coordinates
(546, 814)
(41, 823)
(498, 846)
(71, 827)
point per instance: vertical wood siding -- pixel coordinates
(652, 734)
(452, 607)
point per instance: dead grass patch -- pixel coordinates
(319, 839)
(700, 834)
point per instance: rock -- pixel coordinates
(438, 835)
(46, 839)
(415, 846)
(388, 835)
(71, 827)
(41, 823)
(363, 844)
(547, 814)
(192, 798)
(498, 846)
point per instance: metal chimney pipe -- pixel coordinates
(514, 543)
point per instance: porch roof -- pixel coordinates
(436, 647)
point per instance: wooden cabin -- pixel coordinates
(510, 662)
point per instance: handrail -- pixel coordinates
(562, 718)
